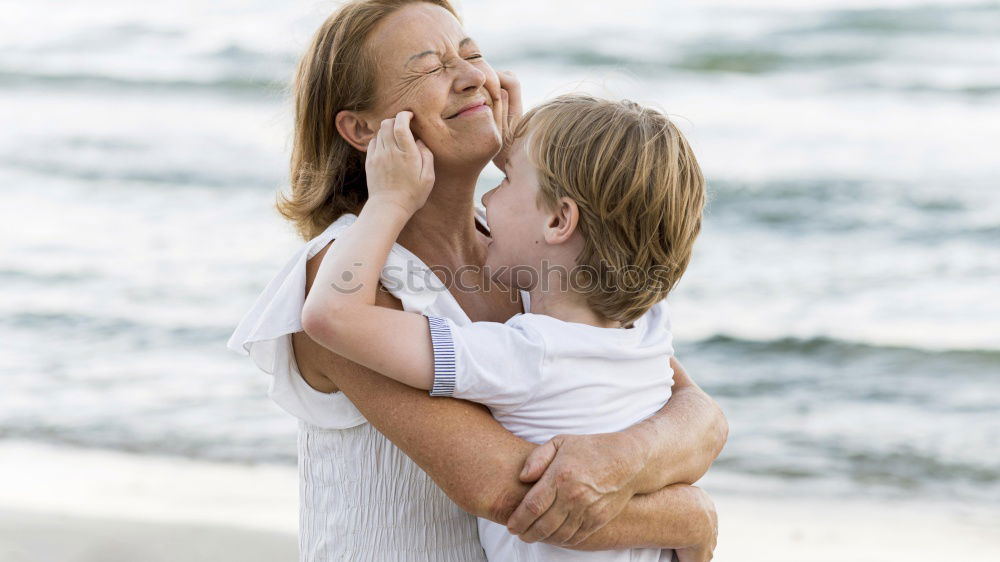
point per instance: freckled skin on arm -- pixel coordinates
(678, 517)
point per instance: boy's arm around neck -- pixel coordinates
(340, 311)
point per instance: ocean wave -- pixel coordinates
(899, 471)
(143, 174)
(47, 278)
(973, 87)
(236, 53)
(105, 38)
(132, 333)
(975, 90)
(709, 58)
(820, 347)
(229, 85)
(755, 60)
(931, 212)
(278, 450)
(925, 19)
(911, 468)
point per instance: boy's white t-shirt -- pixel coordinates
(540, 377)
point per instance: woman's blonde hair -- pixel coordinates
(639, 190)
(336, 73)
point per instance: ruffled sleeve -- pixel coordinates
(265, 332)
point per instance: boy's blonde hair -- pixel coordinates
(639, 190)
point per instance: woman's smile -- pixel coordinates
(472, 109)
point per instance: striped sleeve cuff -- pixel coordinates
(444, 357)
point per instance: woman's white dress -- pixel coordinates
(361, 498)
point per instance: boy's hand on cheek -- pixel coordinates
(510, 110)
(399, 168)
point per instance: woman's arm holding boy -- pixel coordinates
(677, 445)
(477, 462)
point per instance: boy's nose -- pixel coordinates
(487, 195)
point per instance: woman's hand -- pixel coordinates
(510, 113)
(400, 169)
(583, 482)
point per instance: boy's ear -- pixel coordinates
(354, 129)
(562, 222)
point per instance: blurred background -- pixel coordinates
(842, 304)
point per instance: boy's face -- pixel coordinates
(516, 222)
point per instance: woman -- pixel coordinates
(387, 472)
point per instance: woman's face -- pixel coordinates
(426, 64)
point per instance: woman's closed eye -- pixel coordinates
(444, 66)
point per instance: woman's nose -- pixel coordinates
(469, 77)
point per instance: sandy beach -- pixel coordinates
(76, 505)
(29, 537)
(79, 505)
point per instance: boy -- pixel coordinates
(596, 218)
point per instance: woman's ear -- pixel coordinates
(354, 129)
(562, 222)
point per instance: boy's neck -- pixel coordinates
(566, 305)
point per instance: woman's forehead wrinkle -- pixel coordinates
(445, 48)
(420, 56)
(404, 56)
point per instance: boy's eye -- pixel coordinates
(474, 57)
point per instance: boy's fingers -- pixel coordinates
(506, 77)
(401, 131)
(509, 82)
(385, 139)
(426, 162)
(504, 110)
